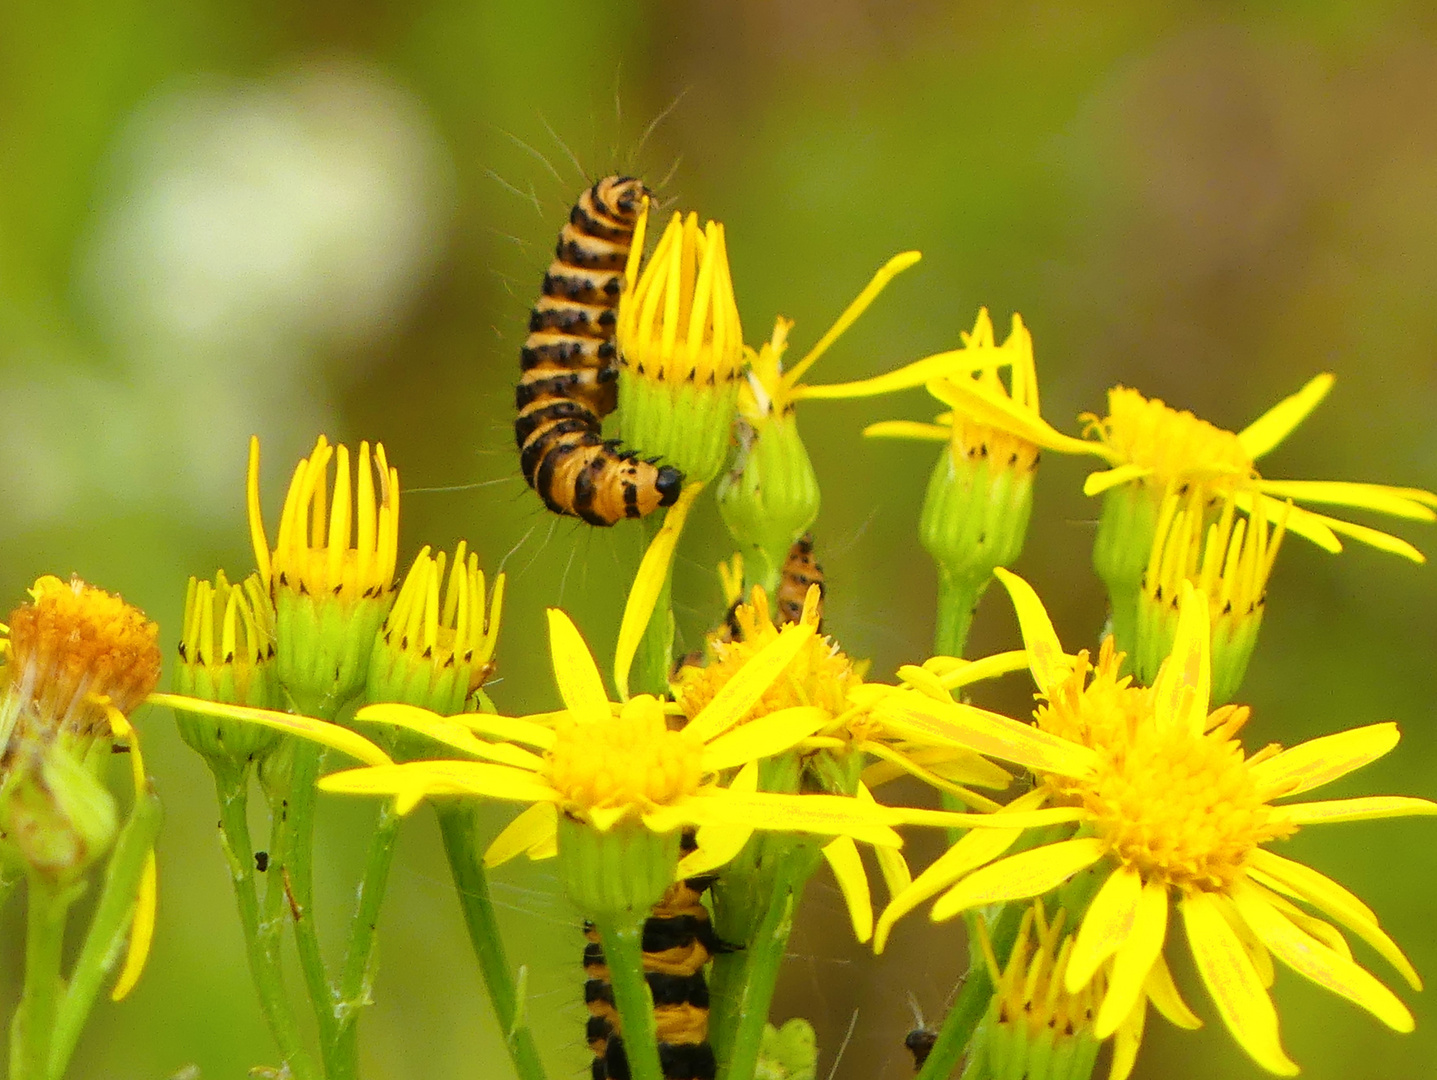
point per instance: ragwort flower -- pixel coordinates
(1173, 812)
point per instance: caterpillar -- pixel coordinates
(800, 570)
(678, 941)
(569, 377)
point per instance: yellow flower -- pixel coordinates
(78, 662)
(680, 348)
(331, 571)
(1171, 811)
(769, 496)
(433, 651)
(1150, 443)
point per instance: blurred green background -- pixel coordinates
(221, 217)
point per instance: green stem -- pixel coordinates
(957, 600)
(291, 881)
(9, 877)
(654, 659)
(48, 906)
(357, 978)
(261, 948)
(747, 993)
(623, 951)
(458, 826)
(109, 928)
(973, 998)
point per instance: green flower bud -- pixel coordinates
(227, 655)
(56, 815)
(789, 1052)
(618, 874)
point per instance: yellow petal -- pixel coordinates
(1105, 927)
(317, 731)
(580, 684)
(1129, 1039)
(1411, 503)
(764, 737)
(1278, 422)
(991, 406)
(1319, 761)
(451, 733)
(842, 856)
(1163, 993)
(718, 845)
(535, 730)
(908, 429)
(924, 720)
(648, 584)
(979, 847)
(1308, 956)
(954, 364)
(905, 762)
(1306, 884)
(1021, 876)
(964, 672)
(1233, 983)
(478, 778)
(1135, 959)
(749, 683)
(1304, 523)
(824, 815)
(142, 930)
(1376, 538)
(947, 819)
(1099, 482)
(1050, 666)
(1324, 932)
(1184, 683)
(1365, 809)
(532, 828)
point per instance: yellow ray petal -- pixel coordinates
(1376, 538)
(947, 819)
(989, 405)
(605, 818)
(1319, 761)
(142, 930)
(1308, 956)
(908, 429)
(1129, 1039)
(1306, 884)
(1184, 683)
(749, 683)
(903, 763)
(1278, 422)
(1020, 876)
(1304, 523)
(1099, 482)
(764, 737)
(916, 717)
(1105, 927)
(1049, 665)
(1163, 993)
(1233, 983)
(580, 684)
(1311, 925)
(979, 847)
(477, 778)
(1411, 503)
(957, 363)
(823, 815)
(720, 844)
(1369, 808)
(965, 672)
(533, 827)
(648, 584)
(842, 856)
(528, 730)
(1135, 959)
(317, 731)
(451, 733)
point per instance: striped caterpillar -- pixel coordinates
(678, 941)
(569, 379)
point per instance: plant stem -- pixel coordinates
(357, 977)
(109, 927)
(623, 951)
(972, 1000)
(291, 880)
(743, 1012)
(262, 944)
(957, 600)
(457, 825)
(48, 906)
(654, 659)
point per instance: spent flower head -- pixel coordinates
(1172, 812)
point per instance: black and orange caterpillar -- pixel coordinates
(678, 941)
(569, 379)
(800, 570)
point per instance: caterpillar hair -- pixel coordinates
(678, 941)
(569, 374)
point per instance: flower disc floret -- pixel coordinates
(631, 760)
(1178, 447)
